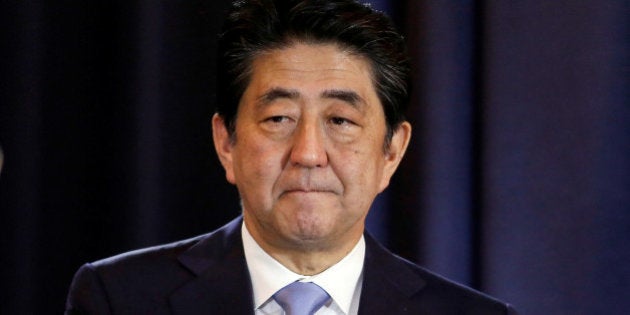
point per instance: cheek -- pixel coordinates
(360, 170)
(257, 164)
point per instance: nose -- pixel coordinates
(308, 148)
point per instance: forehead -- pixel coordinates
(311, 69)
(303, 54)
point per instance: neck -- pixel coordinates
(306, 258)
(308, 263)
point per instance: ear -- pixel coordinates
(223, 145)
(395, 152)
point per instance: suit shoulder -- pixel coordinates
(430, 291)
(443, 291)
(163, 252)
(161, 259)
(146, 274)
(141, 281)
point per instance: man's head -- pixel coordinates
(310, 144)
(256, 26)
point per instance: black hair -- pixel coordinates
(256, 26)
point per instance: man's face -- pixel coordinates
(308, 156)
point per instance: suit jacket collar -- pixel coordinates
(388, 282)
(222, 284)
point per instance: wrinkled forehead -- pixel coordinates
(324, 69)
(344, 53)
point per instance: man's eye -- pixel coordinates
(277, 119)
(340, 121)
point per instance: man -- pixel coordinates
(309, 128)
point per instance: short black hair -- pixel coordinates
(256, 26)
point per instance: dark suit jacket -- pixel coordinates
(208, 275)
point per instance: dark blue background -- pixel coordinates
(517, 181)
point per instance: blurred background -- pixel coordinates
(517, 181)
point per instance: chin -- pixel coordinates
(310, 244)
(305, 233)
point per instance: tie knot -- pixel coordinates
(301, 298)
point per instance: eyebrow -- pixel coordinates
(346, 96)
(276, 93)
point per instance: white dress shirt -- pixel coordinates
(342, 281)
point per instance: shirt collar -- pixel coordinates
(269, 276)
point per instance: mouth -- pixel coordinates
(307, 191)
(307, 185)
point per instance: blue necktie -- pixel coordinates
(301, 298)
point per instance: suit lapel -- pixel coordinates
(221, 284)
(388, 284)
